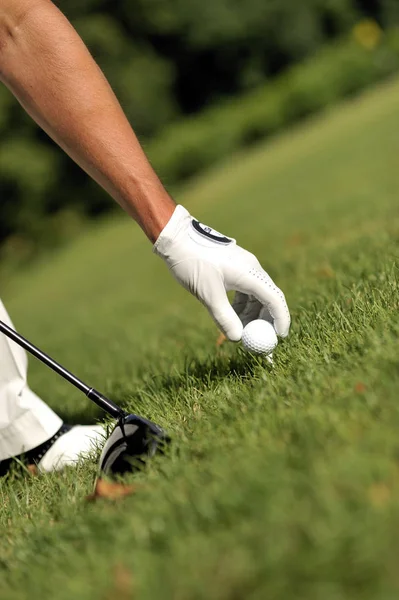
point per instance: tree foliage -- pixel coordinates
(165, 60)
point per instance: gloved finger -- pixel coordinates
(259, 284)
(226, 319)
(215, 299)
(247, 307)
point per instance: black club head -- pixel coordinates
(132, 441)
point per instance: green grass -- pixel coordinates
(281, 483)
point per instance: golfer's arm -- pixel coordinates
(46, 65)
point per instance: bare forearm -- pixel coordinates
(48, 68)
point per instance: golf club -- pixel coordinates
(132, 440)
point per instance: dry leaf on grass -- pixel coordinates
(33, 470)
(111, 490)
(123, 585)
(296, 239)
(325, 272)
(221, 340)
(360, 388)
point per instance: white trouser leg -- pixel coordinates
(25, 420)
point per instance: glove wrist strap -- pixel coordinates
(171, 229)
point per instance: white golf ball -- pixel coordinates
(259, 337)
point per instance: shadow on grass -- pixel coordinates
(201, 374)
(86, 414)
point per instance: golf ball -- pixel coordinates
(259, 337)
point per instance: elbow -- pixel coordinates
(6, 29)
(13, 14)
(10, 22)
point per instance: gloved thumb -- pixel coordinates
(227, 320)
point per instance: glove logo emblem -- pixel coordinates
(210, 233)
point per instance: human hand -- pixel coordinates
(208, 265)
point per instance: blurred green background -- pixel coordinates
(280, 483)
(198, 81)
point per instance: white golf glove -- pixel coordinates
(208, 264)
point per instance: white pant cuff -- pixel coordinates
(29, 429)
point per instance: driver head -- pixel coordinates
(132, 440)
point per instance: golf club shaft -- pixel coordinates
(101, 401)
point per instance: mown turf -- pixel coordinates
(281, 483)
